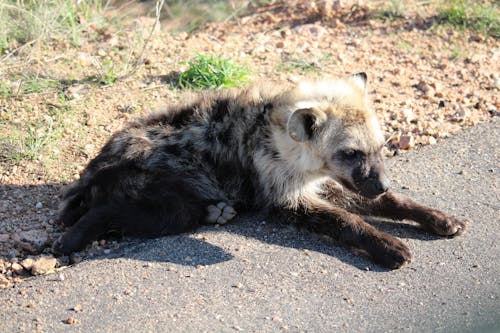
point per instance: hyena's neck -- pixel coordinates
(289, 172)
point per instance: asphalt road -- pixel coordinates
(253, 276)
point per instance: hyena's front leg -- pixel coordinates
(398, 206)
(350, 229)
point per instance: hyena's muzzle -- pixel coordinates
(369, 176)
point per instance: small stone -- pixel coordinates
(17, 268)
(4, 238)
(408, 115)
(496, 82)
(27, 263)
(43, 265)
(406, 142)
(432, 140)
(436, 86)
(39, 205)
(4, 282)
(71, 321)
(238, 285)
(78, 308)
(424, 87)
(75, 258)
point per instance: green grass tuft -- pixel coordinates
(214, 73)
(108, 73)
(292, 64)
(392, 12)
(32, 84)
(27, 21)
(462, 14)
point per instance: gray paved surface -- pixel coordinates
(257, 277)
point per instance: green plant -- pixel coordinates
(27, 21)
(4, 89)
(405, 45)
(301, 65)
(394, 11)
(108, 75)
(31, 83)
(462, 14)
(213, 72)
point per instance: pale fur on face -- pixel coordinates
(348, 124)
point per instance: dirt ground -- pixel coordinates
(427, 82)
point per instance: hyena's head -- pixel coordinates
(337, 134)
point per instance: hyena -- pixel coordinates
(308, 154)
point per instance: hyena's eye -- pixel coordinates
(350, 154)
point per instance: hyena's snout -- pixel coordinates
(374, 185)
(371, 181)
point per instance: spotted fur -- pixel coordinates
(308, 154)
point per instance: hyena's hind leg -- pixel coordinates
(220, 213)
(73, 206)
(88, 228)
(170, 214)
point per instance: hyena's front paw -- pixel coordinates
(391, 252)
(220, 213)
(445, 225)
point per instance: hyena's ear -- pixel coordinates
(303, 124)
(360, 80)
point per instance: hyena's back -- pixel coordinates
(160, 174)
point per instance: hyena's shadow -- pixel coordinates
(189, 250)
(182, 250)
(256, 226)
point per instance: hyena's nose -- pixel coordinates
(382, 185)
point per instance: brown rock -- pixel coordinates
(4, 282)
(406, 142)
(4, 238)
(17, 268)
(424, 87)
(27, 263)
(313, 30)
(71, 321)
(43, 265)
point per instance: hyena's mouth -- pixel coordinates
(347, 184)
(361, 190)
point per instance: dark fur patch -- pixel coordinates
(219, 110)
(175, 118)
